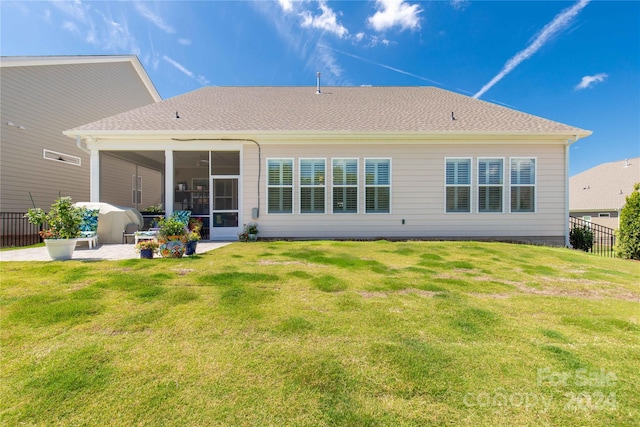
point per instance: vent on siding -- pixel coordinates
(61, 157)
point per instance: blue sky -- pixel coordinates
(575, 62)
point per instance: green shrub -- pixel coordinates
(581, 238)
(628, 236)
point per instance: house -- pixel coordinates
(42, 96)
(597, 195)
(348, 162)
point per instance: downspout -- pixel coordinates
(567, 230)
(79, 145)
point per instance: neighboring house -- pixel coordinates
(40, 97)
(598, 194)
(349, 162)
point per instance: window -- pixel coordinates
(490, 184)
(136, 189)
(312, 185)
(523, 184)
(378, 185)
(458, 185)
(280, 186)
(345, 185)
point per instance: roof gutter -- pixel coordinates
(567, 230)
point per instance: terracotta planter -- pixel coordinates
(172, 246)
(60, 249)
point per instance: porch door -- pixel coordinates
(224, 207)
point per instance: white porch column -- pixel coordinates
(94, 176)
(168, 182)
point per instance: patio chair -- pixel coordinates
(89, 227)
(129, 231)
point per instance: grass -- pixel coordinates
(324, 333)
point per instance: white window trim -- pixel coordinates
(293, 181)
(323, 186)
(56, 156)
(470, 185)
(478, 185)
(135, 189)
(535, 184)
(357, 186)
(364, 184)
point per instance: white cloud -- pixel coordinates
(286, 5)
(200, 79)
(47, 15)
(588, 81)
(153, 18)
(178, 66)
(459, 4)
(184, 42)
(388, 67)
(73, 8)
(71, 27)
(392, 13)
(559, 22)
(327, 21)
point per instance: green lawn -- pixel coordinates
(324, 333)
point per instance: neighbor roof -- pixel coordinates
(32, 61)
(604, 187)
(336, 109)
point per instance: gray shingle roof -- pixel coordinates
(336, 109)
(604, 187)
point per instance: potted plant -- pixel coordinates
(252, 231)
(147, 248)
(63, 221)
(193, 235)
(172, 237)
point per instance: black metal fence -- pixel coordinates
(15, 230)
(603, 239)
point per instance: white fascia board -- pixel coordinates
(337, 137)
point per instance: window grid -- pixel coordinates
(312, 185)
(378, 185)
(458, 185)
(345, 185)
(523, 184)
(136, 189)
(490, 185)
(279, 186)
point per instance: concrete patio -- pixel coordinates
(100, 252)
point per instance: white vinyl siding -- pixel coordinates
(490, 185)
(458, 185)
(312, 185)
(280, 186)
(47, 100)
(345, 185)
(377, 185)
(523, 184)
(418, 193)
